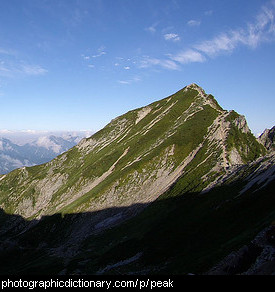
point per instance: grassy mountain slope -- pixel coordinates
(179, 170)
(134, 159)
(179, 233)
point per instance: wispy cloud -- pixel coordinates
(33, 69)
(100, 52)
(85, 57)
(124, 81)
(252, 35)
(225, 42)
(188, 56)
(88, 57)
(12, 69)
(171, 37)
(129, 81)
(261, 30)
(11, 66)
(193, 22)
(152, 28)
(147, 62)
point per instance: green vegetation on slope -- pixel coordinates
(184, 230)
(179, 121)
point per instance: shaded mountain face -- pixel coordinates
(40, 151)
(159, 189)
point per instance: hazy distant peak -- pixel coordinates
(36, 149)
(48, 143)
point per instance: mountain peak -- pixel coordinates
(150, 165)
(194, 86)
(203, 96)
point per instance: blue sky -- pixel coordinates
(77, 64)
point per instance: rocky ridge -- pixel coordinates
(268, 139)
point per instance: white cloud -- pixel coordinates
(28, 131)
(262, 30)
(188, 56)
(5, 131)
(12, 68)
(129, 81)
(127, 68)
(123, 82)
(169, 64)
(33, 70)
(193, 22)
(87, 58)
(171, 37)
(152, 29)
(224, 42)
(147, 62)
(100, 52)
(251, 35)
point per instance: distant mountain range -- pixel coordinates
(176, 187)
(41, 150)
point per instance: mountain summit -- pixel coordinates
(136, 158)
(140, 168)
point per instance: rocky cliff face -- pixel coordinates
(142, 169)
(268, 139)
